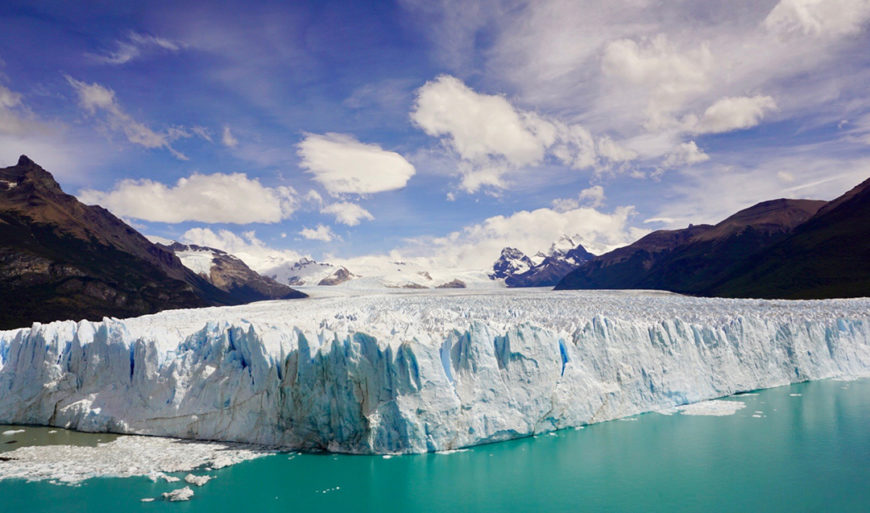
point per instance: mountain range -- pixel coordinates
(784, 248)
(306, 271)
(230, 274)
(62, 259)
(543, 269)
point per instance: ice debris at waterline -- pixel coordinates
(418, 372)
(127, 456)
(716, 408)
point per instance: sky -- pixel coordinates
(434, 131)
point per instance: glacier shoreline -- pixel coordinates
(418, 372)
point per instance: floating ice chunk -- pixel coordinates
(197, 480)
(717, 408)
(795, 395)
(148, 499)
(182, 494)
(12, 432)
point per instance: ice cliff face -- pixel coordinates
(417, 372)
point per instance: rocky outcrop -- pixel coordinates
(341, 275)
(307, 272)
(231, 274)
(511, 261)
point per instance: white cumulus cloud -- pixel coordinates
(685, 154)
(477, 126)
(667, 76)
(228, 139)
(13, 120)
(246, 246)
(592, 196)
(347, 213)
(321, 232)
(216, 198)
(734, 113)
(344, 165)
(818, 17)
(493, 138)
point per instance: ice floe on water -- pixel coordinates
(197, 480)
(127, 456)
(182, 494)
(11, 432)
(716, 408)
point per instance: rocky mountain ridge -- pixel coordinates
(230, 274)
(543, 269)
(62, 259)
(783, 248)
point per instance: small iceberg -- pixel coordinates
(182, 494)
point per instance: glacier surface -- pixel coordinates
(417, 372)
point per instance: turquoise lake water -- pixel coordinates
(806, 453)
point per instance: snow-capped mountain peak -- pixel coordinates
(542, 269)
(565, 244)
(307, 271)
(512, 261)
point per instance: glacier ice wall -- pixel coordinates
(416, 373)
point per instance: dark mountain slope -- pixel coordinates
(61, 259)
(693, 259)
(827, 256)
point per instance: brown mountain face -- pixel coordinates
(61, 259)
(233, 276)
(827, 256)
(694, 259)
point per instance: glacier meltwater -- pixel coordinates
(417, 372)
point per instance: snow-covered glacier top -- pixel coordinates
(418, 371)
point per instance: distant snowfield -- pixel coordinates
(407, 371)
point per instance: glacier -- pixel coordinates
(411, 372)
